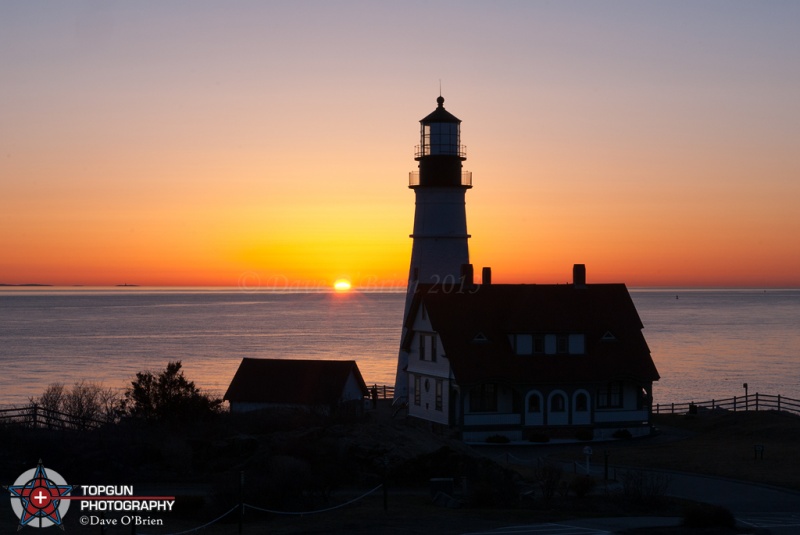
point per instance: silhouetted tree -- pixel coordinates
(82, 406)
(168, 396)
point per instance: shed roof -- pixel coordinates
(294, 381)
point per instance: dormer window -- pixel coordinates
(548, 344)
(480, 338)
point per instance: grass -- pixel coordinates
(721, 444)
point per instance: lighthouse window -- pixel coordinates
(440, 138)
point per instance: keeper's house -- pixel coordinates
(321, 386)
(527, 360)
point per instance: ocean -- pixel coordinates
(705, 343)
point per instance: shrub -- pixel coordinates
(497, 439)
(80, 407)
(549, 477)
(704, 515)
(644, 486)
(622, 433)
(168, 396)
(584, 434)
(582, 485)
(538, 436)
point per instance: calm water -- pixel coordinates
(706, 343)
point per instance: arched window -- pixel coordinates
(534, 403)
(581, 402)
(558, 403)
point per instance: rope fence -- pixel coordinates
(207, 524)
(302, 513)
(243, 506)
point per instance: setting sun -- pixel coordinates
(341, 285)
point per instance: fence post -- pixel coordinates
(673, 407)
(779, 402)
(734, 403)
(756, 401)
(35, 415)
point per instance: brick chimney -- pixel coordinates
(467, 274)
(486, 276)
(579, 275)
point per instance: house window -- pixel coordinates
(523, 344)
(550, 344)
(581, 403)
(534, 403)
(558, 403)
(427, 347)
(577, 345)
(483, 398)
(417, 393)
(438, 394)
(610, 397)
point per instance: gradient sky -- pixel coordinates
(269, 143)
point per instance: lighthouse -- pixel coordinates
(440, 249)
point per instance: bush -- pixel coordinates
(497, 439)
(582, 485)
(84, 405)
(549, 477)
(584, 434)
(708, 516)
(168, 396)
(622, 433)
(644, 486)
(538, 436)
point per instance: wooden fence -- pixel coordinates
(384, 391)
(750, 402)
(39, 417)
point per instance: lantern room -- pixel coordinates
(440, 152)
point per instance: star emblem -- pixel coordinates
(39, 498)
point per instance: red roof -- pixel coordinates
(303, 382)
(615, 348)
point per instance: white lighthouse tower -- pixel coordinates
(440, 236)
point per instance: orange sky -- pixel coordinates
(199, 143)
